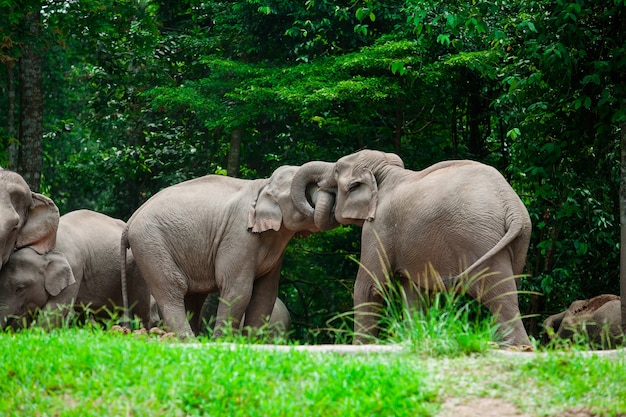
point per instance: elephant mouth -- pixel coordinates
(10, 322)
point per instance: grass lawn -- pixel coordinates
(82, 372)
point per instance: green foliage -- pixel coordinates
(321, 264)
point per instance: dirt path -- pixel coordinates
(493, 407)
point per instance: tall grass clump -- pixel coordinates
(445, 323)
(441, 321)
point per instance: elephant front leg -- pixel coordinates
(367, 307)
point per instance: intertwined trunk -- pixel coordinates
(31, 103)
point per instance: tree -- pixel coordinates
(30, 137)
(622, 200)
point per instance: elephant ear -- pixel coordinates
(57, 273)
(265, 213)
(362, 196)
(40, 230)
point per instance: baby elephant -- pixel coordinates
(599, 318)
(82, 270)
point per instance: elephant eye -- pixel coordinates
(353, 186)
(20, 289)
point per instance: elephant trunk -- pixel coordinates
(318, 204)
(310, 173)
(324, 217)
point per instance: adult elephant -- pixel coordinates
(217, 234)
(26, 218)
(598, 318)
(456, 222)
(82, 270)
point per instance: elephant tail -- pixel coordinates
(123, 250)
(518, 227)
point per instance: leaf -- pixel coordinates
(398, 67)
(513, 133)
(444, 39)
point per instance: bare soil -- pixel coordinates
(492, 407)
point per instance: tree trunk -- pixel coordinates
(232, 170)
(397, 137)
(31, 103)
(622, 221)
(12, 148)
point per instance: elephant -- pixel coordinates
(425, 227)
(278, 324)
(599, 318)
(26, 218)
(217, 234)
(82, 270)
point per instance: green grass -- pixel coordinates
(81, 372)
(93, 373)
(447, 353)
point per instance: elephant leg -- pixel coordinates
(233, 302)
(167, 284)
(415, 299)
(496, 289)
(372, 278)
(139, 296)
(264, 295)
(367, 306)
(173, 312)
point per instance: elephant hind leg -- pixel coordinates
(168, 286)
(496, 289)
(139, 296)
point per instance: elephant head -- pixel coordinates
(276, 202)
(599, 318)
(29, 279)
(352, 181)
(26, 218)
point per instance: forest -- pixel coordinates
(106, 102)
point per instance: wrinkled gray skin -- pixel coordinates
(83, 269)
(278, 324)
(599, 317)
(217, 234)
(456, 218)
(26, 218)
